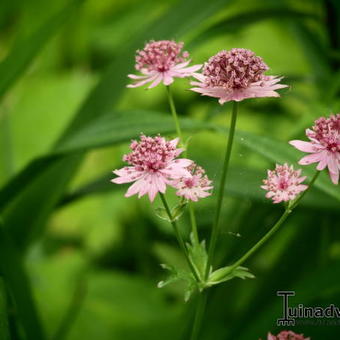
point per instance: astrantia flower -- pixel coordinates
(153, 166)
(236, 75)
(283, 183)
(162, 61)
(324, 145)
(286, 335)
(195, 186)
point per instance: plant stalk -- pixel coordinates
(179, 237)
(276, 226)
(174, 113)
(200, 307)
(220, 197)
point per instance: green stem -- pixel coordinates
(276, 226)
(220, 197)
(200, 307)
(179, 237)
(193, 223)
(263, 239)
(174, 113)
(296, 202)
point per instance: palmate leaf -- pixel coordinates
(179, 275)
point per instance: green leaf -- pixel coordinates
(178, 275)
(198, 255)
(22, 54)
(244, 19)
(18, 284)
(4, 330)
(116, 127)
(228, 273)
(26, 215)
(162, 213)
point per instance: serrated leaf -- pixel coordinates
(161, 213)
(198, 255)
(178, 210)
(179, 275)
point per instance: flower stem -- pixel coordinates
(276, 226)
(296, 202)
(179, 237)
(200, 307)
(193, 223)
(216, 226)
(174, 113)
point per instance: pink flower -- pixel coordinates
(286, 335)
(283, 183)
(236, 75)
(162, 61)
(195, 186)
(153, 166)
(324, 145)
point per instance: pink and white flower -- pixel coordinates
(162, 61)
(236, 75)
(283, 183)
(324, 145)
(286, 335)
(195, 186)
(153, 166)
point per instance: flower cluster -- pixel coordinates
(154, 165)
(196, 186)
(236, 75)
(286, 335)
(324, 145)
(283, 183)
(162, 61)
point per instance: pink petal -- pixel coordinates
(303, 146)
(156, 81)
(133, 76)
(313, 158)
(167, 79)
(134, 188)
(323, 161)
(143, 82)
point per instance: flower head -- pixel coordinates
(196, 186)
(286, 335)
(162, 61)
(283, 183)
(236, 75)
(324, 145)
(153, 165)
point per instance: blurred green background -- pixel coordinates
(80, 261)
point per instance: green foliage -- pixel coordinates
(46, 246)
(4, 329)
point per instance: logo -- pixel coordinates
(291, 315)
